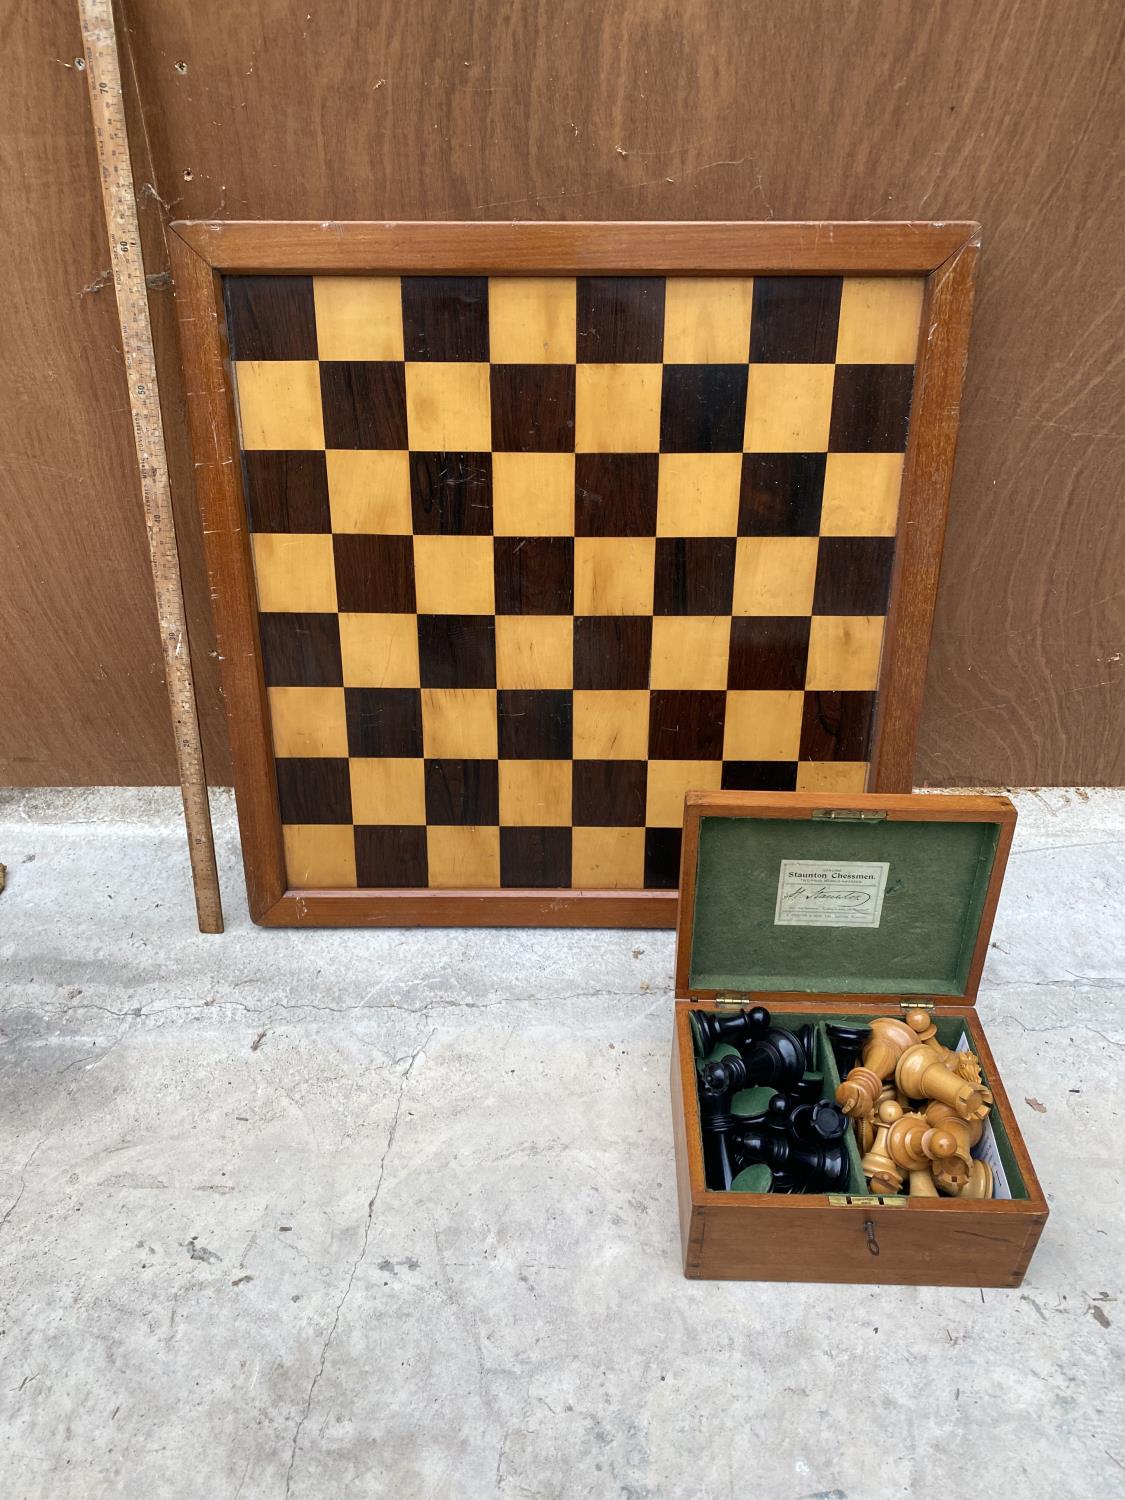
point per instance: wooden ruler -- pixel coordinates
(103, 70)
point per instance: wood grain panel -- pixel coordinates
(566, 111)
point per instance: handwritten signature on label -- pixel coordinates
(811, 893)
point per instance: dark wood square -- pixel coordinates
(795, 319)
(532, 408)
(662, 858)
(534, 723)
(457, 651)
(313, 789)
(615, 494)
(853, 575)
(703, 409)
(759, 776)
(374, 574)
(270, 317)
(620, 320)
(465, 793)
(871, 408)
(534, 575)
(686, 724)
(363, 403)
(609, 793)
(445, 317)
(391, 855)
(301, 650)
(612, 651)
(768, 652)
(694, 575)
(451, 494)
(781, 494)
(837, 726)
(384, 721)
(538, 858)
(287, 491)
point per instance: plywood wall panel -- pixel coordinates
(570, 109)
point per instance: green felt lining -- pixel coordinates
(937, 884)
(949, 1030)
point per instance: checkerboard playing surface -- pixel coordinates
(536, 555)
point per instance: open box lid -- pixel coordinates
(869, 895)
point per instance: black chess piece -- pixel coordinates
(808, 1088)
(777, 1059)
(708, 1028)
(818, 1169)
(809, 1124)
(846, 1044)
(717, 1122)
(806, 1035)
(817, 1124)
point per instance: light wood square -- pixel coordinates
(379, 650)
(535, 793)
(534, 651)
(763, 726)
(614, 575)
(388, 791)
(454, 575)
(789, 408)
(698, 494)
(294, 573)
(617, 408)
(358, 317)
(532, 320)
(463, 858)
(707, 320)
(775, 575)
(879, 318)
(459, 723)
(279, 403)
(533, 494)
(611, 725)
(319, 856)
(690, 651)
(448, 407)
(844, 652)
(308, 721)
(608, 859)
(832, 776)
(369, 492)
(861, 494)
(670, 780)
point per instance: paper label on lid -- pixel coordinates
(820, 893)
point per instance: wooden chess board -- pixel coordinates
(534, 554)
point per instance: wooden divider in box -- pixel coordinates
(933, 865)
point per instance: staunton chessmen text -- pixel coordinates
(837, 1111)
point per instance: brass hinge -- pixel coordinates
(849, 815)
(864, 1200)
(915, 1005)
(732, 1002)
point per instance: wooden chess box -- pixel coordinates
(944, 859)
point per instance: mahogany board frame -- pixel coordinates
(202, 252)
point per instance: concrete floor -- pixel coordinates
(331, 1214)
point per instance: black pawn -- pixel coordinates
(709, 1028)
(777, 1059)
(846, 1044)
(717, 1122)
